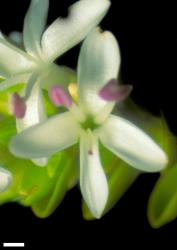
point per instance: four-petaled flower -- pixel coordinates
(35, 66)
(91, 121)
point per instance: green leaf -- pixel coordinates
(9, 162)
(30, 182)
(8, 129)
(46, 206)
(119, 182)
(162, 206)
(36, 182)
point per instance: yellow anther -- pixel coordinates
(73, 91)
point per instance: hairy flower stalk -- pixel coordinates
(89, 122)
(35, 66)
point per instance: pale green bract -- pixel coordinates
(91, 121)
(35, 66)
(5, 179)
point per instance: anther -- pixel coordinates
(60, 97)
(18, 106)
(113, 92)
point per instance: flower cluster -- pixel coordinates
(90, 115)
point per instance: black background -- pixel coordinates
(147, 34)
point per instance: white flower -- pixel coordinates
(5, 179)
(91, 121)
(35, 64)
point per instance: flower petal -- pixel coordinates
(16, 38)
(34, 24)
(132, 145)
(35, 113)
(93, 181)
(65, 33)
(47, 138)
(40, 162)
(5, 179)
(99, 62)
(13, 60)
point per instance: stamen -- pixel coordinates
(60, 97)
(73, 91)
(112, 92)
(18, 106)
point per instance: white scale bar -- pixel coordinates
(13, 244)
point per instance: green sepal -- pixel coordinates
(162, 206)
(32, 183)
(36, 182)
(67, 168)
(158, 211)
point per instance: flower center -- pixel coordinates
(89, 123)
